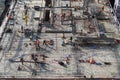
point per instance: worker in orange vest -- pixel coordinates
(92, 61)
(107, 2)
(10, 17)
(67, 60)
(38, 43)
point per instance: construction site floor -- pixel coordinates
(16, 45)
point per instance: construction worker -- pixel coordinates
(62, 64)
(65, 41)
(32, 56)
(22, 28)
(25, 6)
(116, 41)
(26, 11)
(51, 42)
(21, 60)
(43, 57)
(102, 8)
(67, 60)
(48, 42)
(81, 32)
(34, 72)
(71, 38)
(30, 44)
(91, 76)
(44, 42)
(26, 45)
(19, 68)
(36, 60)
(63, 36)
(92, 61)
(26, 19)
(37, 43)
(10, 17)
(26, 14)
(62, 17)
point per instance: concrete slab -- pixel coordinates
(50, 67)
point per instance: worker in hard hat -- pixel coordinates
(45, 42)
(67, 60)
(21, 60)
(26, 19)
(37, 43)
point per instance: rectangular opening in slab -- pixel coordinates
(47, 15)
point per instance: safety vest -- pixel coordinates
(37, 42)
